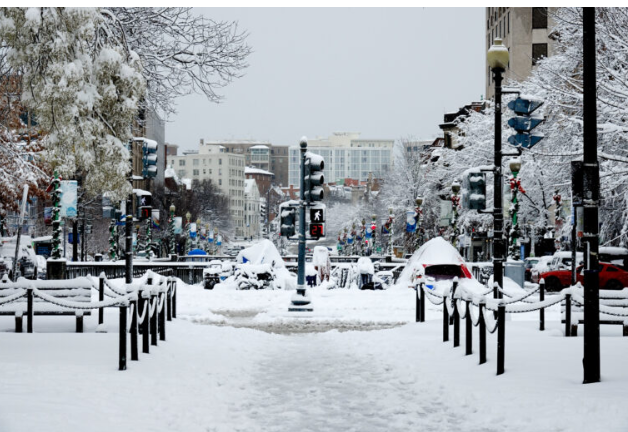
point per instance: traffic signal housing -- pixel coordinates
(149, 159)
(288, 218)
(474, 190)
(523, 123)
(313, 177)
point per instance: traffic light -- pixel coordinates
(288, 217)
(474, 190)
(314, 178)
(524, 122)
(149, 159)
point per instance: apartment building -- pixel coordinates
(526, 34)
(259, 154)
(224, 169)
(252, 212)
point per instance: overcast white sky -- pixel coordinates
(384, 72)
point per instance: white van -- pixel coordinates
(562, 260)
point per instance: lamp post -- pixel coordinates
(419, 202)
(363, 247)
(498, 58)
(515, 186)
(373, 232)
(391, 224)
(187, 231)
(216, 240)
(171, 230)
(455, 200)
(198, 234)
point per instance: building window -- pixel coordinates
(181, 162)
(219, 161)
(219, 182)
(538, 52)
(195, 162)
(195, 172)
(539, 17)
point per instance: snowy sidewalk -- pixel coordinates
(210, 376)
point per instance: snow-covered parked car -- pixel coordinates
(262, 261)
(254, 276)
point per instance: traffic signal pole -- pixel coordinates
(301, 299)
(591, 360)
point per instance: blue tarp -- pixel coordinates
(197, 252)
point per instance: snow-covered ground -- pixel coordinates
(238, 361)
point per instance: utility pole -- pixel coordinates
(591, 174)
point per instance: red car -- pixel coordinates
(611, 278)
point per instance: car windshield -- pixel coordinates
(444, 271)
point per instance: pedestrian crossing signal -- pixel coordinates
(317, 215)
(317, 230)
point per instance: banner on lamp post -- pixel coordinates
(69, 196)
(178, 225)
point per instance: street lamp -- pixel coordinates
(187, 230)
(171, 230)
(498, 58)
(391, 232)
(455, 199)
(363, 248)
(419, 202)
(515, 186)
(373, 232)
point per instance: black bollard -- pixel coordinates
(456, 316)
(101, 297)
(567, 315)
(501, 338)
(542, 310)
(482, 326)
(133, 331)
(145, 302)
(154, 300)
(422, 288)
(122, 351)
(468, 328)
(445, 320)
(169, 299)
(162, 317)
(418, 303)
(174, 299)
(29, 310)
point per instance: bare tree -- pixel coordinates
(180, 52)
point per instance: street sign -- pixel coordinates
(317, 215)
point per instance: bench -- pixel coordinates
(618, 299)
(78, 290)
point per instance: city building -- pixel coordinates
(451, 121)
(252, 210)
(224, 169)
(346, 156)
(259, 154)
(263, 178)
(526, 34)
